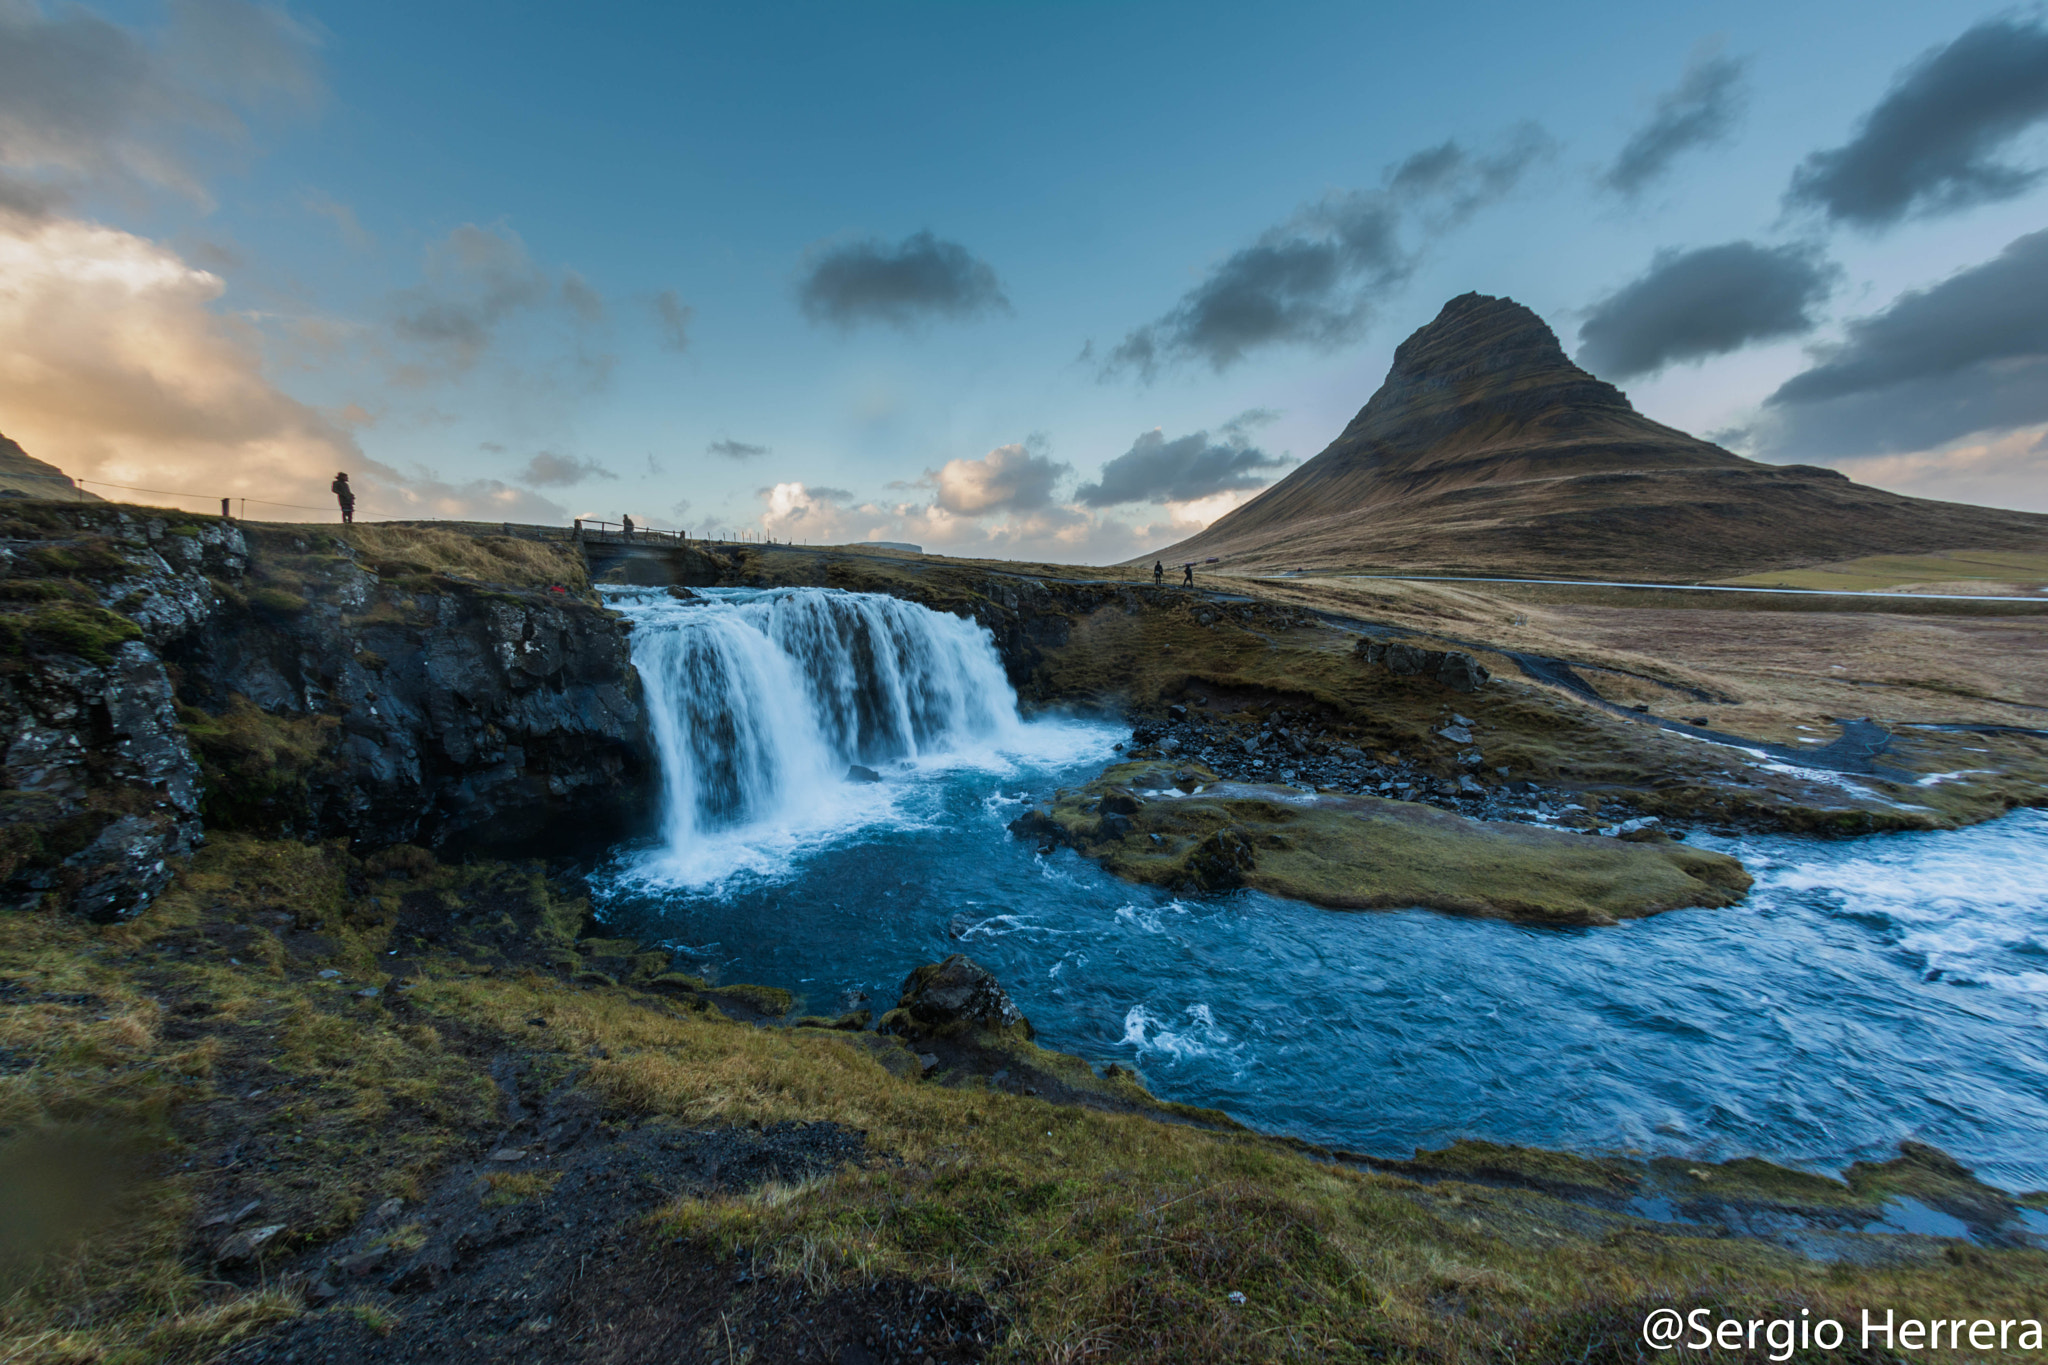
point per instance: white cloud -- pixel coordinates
(2007, 470)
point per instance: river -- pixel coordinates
(1868, 990)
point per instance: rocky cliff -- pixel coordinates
(1486, 450)
(161, 673)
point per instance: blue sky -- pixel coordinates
(891, 271)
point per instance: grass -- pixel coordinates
(1365, 852)
(1993, 572)
(1099, 1235)
(485, 558)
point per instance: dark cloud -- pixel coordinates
(1011, 478)
(674, 316)
(549, 470)
(919, 279)
(1316, 279)
(475, 279)
(1155, 469)
(735, 450)
(1701, 109)
(1693, 304)
(1967, 355)
(1930, 145)
(87, 103)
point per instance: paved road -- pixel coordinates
(1662, 587)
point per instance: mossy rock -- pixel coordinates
(675, 983)
(1751, 1180)
(608, 947)
(1936, 1179)
(1193, 830)
(1530, 1166)
(648, 965)
(770, 1002)
(850, 1022)
(589, 977)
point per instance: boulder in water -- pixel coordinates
(856, 773)
(956, 995)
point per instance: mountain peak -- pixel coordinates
(1485, 360)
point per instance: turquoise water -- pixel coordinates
(1867, 991)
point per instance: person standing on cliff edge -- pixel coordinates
(346, 496)
(1158, 573)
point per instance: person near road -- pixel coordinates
(1158, 573)
(346, 496)
(1187, 574)
(628, 520)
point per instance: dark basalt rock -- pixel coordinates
(1221, 860)
(958, 993)
(270, 680)
(856, 773)
(1453, 668)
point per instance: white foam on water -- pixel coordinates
(761, 699)
(1198, 1037)
(1972, 903)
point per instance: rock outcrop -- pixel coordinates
(162, 672)
(954, 996)
(1188, 828)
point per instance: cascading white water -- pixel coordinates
(761, 699)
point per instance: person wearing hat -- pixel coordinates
(346, 496)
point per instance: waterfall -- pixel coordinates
(760, 700)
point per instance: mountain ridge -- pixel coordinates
(1487, 449)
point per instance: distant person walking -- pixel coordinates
(346, 496)
(1158, 573)
(1187, 574)
(629, 526)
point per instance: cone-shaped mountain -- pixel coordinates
(1487, 450)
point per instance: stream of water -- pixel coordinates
(1867, 991)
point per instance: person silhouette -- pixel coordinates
(344, 495)
(1188, 574)
(1158, 573)
(628, 520)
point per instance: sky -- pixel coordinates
(1059, 281)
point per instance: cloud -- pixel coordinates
(921, 278)
(1317, 278)
(476, 278)
(1967, 355)
(735, 450)
(796, 512)
(549, 470)
(1185, 469)
(1701, 109)
(2008, 470)
(114, 366)
(1705, 302)
(87, 104)
(1930, 146)
(1011, 478)
(341, 215)
(581, 299)
(673, 316)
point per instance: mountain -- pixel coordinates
(1487, 451)
(23, 475)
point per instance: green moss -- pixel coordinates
(1528, 1166)
(275, 599)
(257, 767)
(90, 632)
(1364, 852)
(770, 1001)
(1750, 1180)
